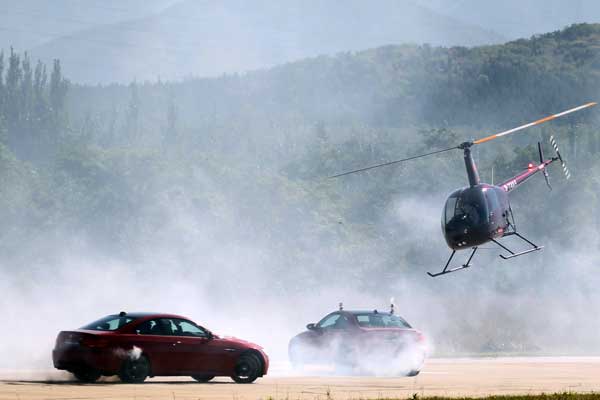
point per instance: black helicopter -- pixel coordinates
(481, 213)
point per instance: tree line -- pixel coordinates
(33, 116)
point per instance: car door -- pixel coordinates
(336, 334)
(194, 348)
(157, 343)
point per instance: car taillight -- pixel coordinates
(420, 337)
(93, 342)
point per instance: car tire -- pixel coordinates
(87, 375)
(203, 378)
(295, 356)
(346, 360)
(135, 370)
(247, 368)
(413, 372)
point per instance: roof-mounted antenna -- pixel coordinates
(341, 306)
(392, 306)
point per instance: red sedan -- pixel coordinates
(137, 345)
(371, 342)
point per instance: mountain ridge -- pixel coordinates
(208, 39)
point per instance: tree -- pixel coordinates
(170, 136)
(40, 106)
(13, 108)
(58, 93)
(26, 95)
(2, 94)
(133, 113)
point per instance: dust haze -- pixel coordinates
(237, 228)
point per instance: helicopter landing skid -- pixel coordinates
(534, 247)
(447, 271)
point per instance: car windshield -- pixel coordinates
(378, 320)
(110, 323)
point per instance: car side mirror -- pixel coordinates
(311, 327)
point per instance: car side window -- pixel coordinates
(343, 322)
(167, 326)
(329, 321)
(188, 328)
(170, 327)
(150, 327)
(110, 323)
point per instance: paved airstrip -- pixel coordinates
(447, 377)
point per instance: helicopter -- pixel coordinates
(481, 213)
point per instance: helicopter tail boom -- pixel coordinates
(531, 170)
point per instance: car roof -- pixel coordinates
(367, 312)
(148, 314)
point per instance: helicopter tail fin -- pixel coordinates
(544, 171)
(562, 162)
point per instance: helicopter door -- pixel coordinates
(497, 203)
(471, 208)
(493, 203)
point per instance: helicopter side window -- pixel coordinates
(449, 210)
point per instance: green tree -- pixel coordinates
(40, 106)
(171, 134)
(13, 109)
(58, 94)
(132, 118)
(2, 91)
(26, 97)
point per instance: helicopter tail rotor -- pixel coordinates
(562, 162)
(544, 171)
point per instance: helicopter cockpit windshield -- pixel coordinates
(468, 206)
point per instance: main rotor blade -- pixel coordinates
(392, 162)
(538, 122)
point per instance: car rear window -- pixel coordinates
(378, 320)
(110, 323)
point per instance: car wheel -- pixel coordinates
(87, 375)
(135, 370)
(346, 360)
(247, 368)
(295, 356)
(203, 378)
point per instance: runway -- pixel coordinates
(443, 377)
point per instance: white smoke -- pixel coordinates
(131, 354)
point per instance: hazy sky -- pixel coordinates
(105, 41)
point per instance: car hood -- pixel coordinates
(388, 330)
(237, 342)
(88, 332)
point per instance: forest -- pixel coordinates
(229, 176)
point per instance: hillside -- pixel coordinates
(394, 86)
(517, 19)
(194, 38)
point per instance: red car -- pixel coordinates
(369, 342)
(137, 345)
